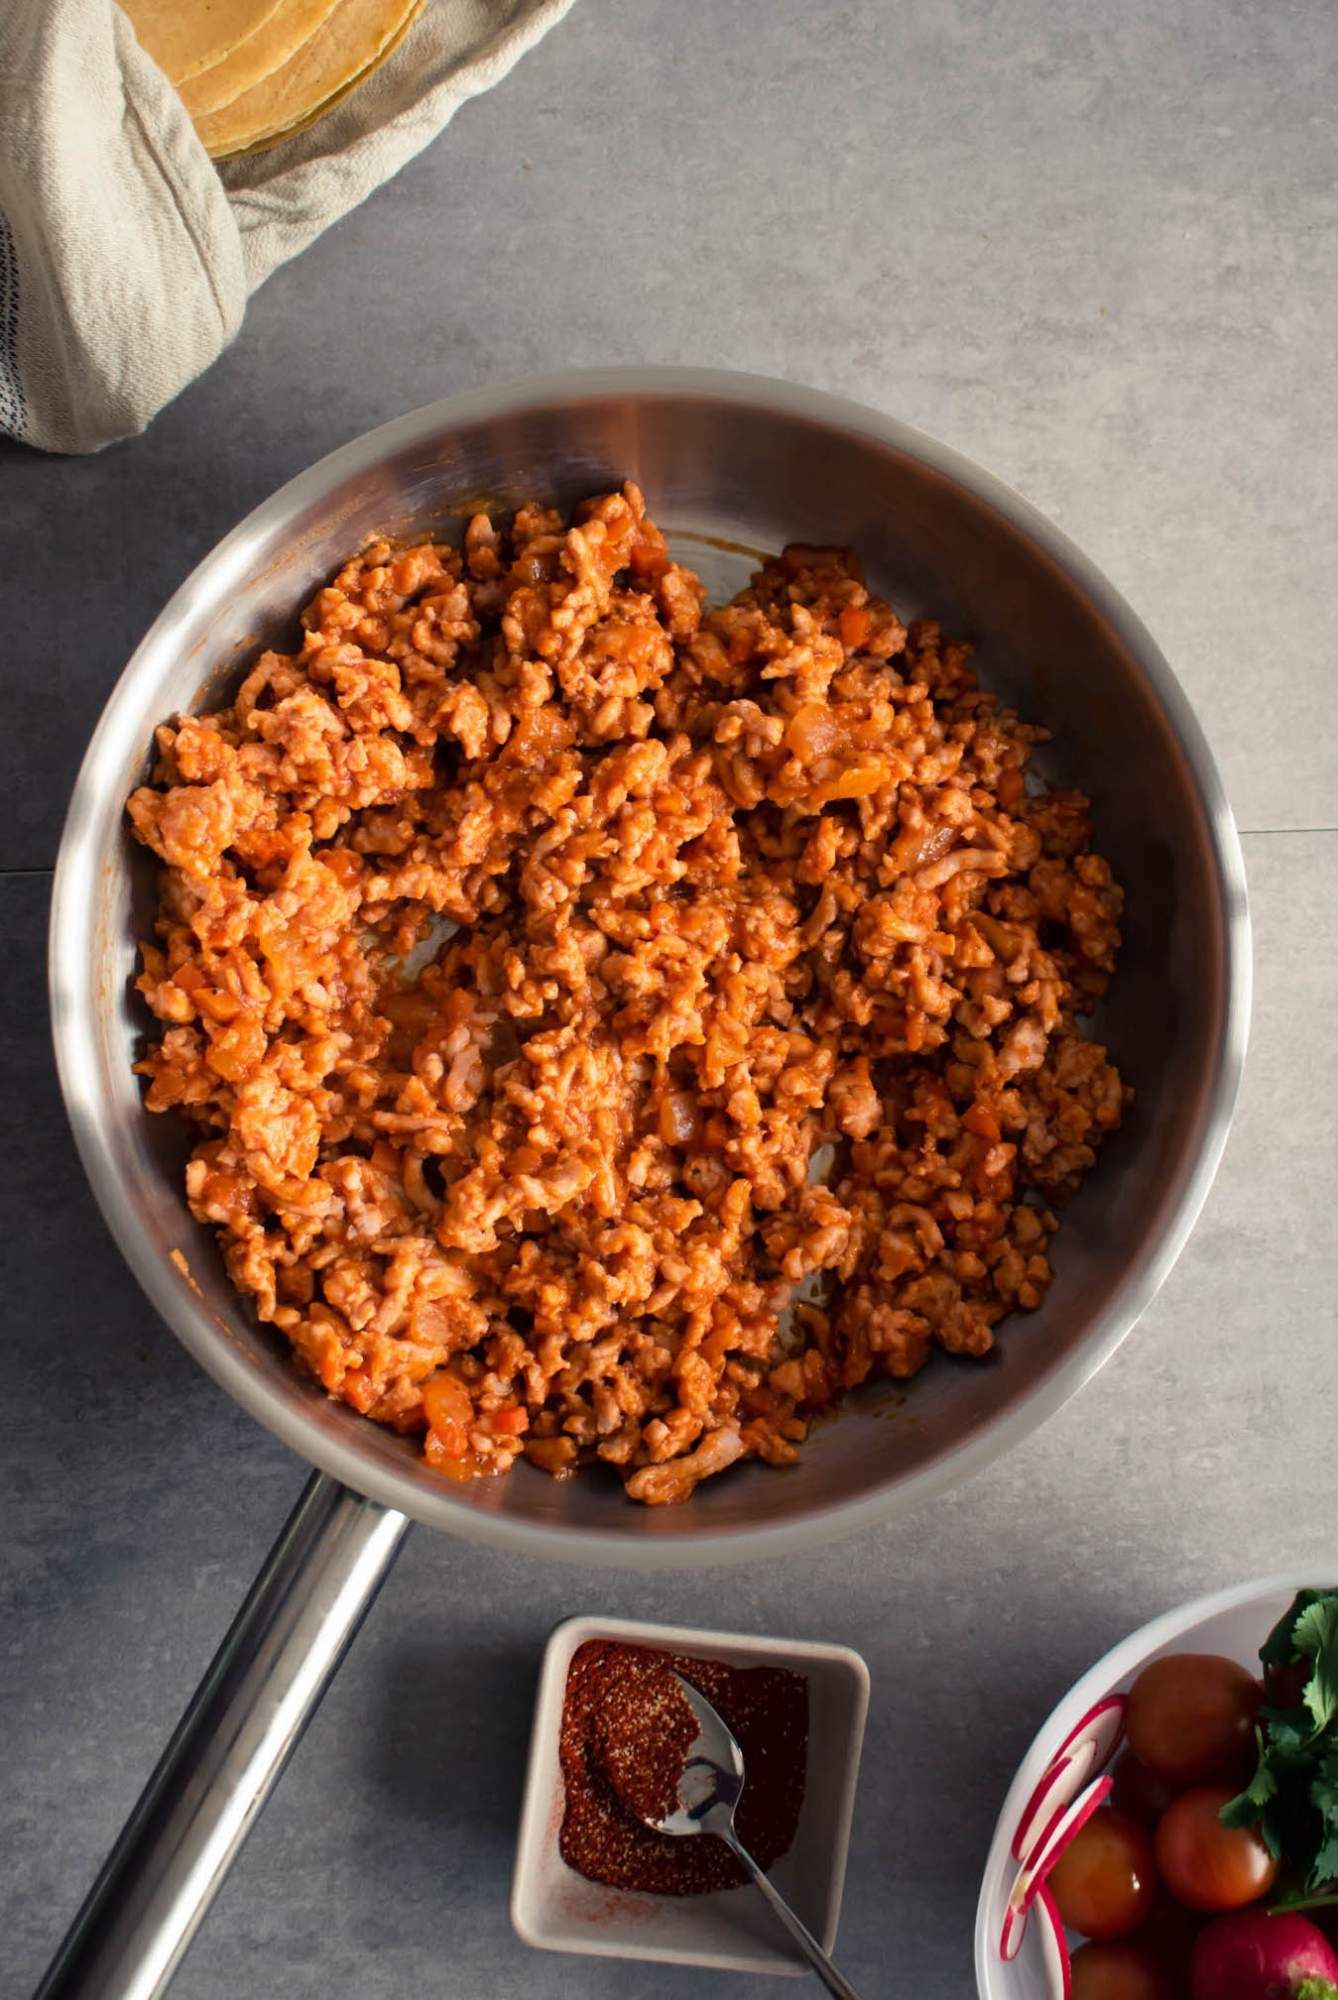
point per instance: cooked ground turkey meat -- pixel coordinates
(527, 931)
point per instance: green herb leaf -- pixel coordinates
(1325, 1867)
(1246, 1807)
(1317, 1989)
(1277, 1649)
(1315, 1636)
(1289, 1741)
(1292, 1797)
(1324, 1787)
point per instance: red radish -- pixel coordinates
(1062, 1829)
(1060, 1783)
(1011, 1936)
(1065, 1822)
(1250, 1955)
(1102, 1725)
(1087, 1749)
(1054, 1947)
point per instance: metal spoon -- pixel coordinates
(709, 1790)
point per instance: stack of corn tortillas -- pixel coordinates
(126, 254)
(253, 72)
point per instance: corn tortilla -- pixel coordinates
(187, 36)
(347, 44)
(265, 140)
(269, 139)
(266, 50)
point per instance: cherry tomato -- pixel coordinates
(1169, 1936)
(1191, 1718)
(1140, 1792)
(1118, 1972)
(1208, 1866)
(1105, 1880)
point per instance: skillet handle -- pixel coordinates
(230, 1746)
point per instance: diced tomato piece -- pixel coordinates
(234, 1053)
(1011, 786)
(356, 1389)
(449, 1412)
(853, 625)
(512, 1420)
(451, 1465)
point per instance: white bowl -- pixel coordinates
(558, 1910)
(1234, 1622)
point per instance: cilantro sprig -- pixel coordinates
(1293, 1796)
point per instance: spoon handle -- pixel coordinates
(802, 1935)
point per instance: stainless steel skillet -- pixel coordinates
(733, 463)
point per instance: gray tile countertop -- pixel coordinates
(1094, 248)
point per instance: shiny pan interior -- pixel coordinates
(730, 464)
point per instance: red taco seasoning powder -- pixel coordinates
(625, 1734)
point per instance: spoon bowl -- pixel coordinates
(711, 1783)
(710, 1786)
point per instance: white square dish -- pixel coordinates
(555, 1909)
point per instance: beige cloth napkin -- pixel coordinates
(126, 256)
